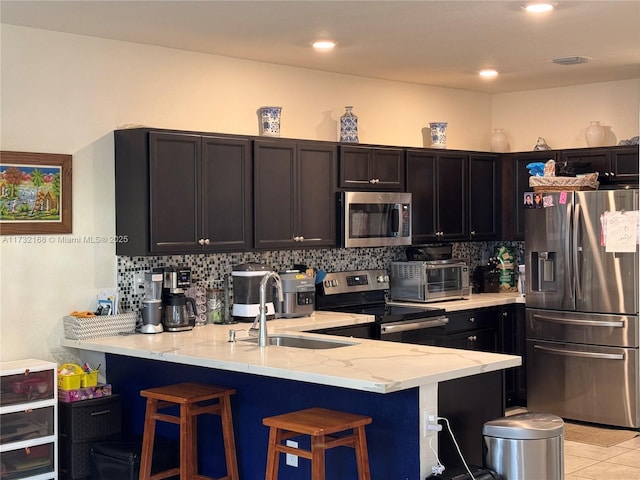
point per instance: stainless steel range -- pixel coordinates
(366, 292)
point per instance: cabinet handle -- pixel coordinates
(473, 233)
(472, 319)
(504, 314)
(374, 180)
(612, 174)
(301, 239)
(201, 241)
(206, 241)
(102, 412)
(472, 338)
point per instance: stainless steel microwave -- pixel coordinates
(374, 219)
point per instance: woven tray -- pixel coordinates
(100, 326)
(561, 184)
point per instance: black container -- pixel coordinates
(120, 460)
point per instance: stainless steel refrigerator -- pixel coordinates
(582, 307)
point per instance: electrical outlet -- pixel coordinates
(138, 282)
(430, 422)
(291, 459)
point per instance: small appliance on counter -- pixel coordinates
(429, 281)
(246, 292)
(152, 303)
(299, 293)
(175, 314)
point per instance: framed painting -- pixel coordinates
(35, 193)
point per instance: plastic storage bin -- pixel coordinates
(525, 446)
(121, 459)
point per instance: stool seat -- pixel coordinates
(320, 424)
(193, 399)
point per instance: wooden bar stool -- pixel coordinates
(194, 399)
(319, 424)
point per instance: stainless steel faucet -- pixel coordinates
(263, 337)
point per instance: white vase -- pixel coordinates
(438, 134)
(348, 126)
(270, 121)
(499, 142)
(594, 134)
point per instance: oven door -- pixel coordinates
(417, 331)
(374, 219)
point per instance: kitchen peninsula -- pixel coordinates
(396, 384)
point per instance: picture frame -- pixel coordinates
(35, 193)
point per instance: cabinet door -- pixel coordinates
(515, 182)
(452, 196)
(355, 167)
(274, 193)
(174, 172)
(624, 164)
(422, 184)
(315, 191)
(587, 160)
(388, 168)
(227, 219)
(484, 197)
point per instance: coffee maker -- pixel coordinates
(176, 316)
(152, 303)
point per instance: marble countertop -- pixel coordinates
(369, 365)
(477, 300)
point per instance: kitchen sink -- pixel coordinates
(295, 341)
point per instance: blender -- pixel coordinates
(152, 303)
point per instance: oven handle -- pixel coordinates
(405, 327)
(571, 321)
(573, 353)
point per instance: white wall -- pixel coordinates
(65, 93)
(561, 115)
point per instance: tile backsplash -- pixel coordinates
(210, 270)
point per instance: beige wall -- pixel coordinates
(561, 115)
(66, 94)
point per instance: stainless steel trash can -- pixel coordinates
(528, 446)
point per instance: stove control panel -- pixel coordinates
(355, 281)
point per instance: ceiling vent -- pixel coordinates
(570, 60)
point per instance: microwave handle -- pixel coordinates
(395, 219)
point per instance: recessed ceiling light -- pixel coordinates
(539, 7)
(488, 73)
(324, 45)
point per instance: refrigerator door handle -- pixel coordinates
(570, 321)
(576, 268)
(573, 353)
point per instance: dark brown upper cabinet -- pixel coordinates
(180, 192)
(438, 184)
(484, 197)
(294, 194)
(371, 168)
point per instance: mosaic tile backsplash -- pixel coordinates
(211, 271)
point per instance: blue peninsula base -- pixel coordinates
(393, 437)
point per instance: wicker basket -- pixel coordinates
(564, 184)
(82, 328)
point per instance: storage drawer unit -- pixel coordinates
(29, 419)
(82, 424)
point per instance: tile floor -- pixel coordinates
(591, 462)
(619, 462)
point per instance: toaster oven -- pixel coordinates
(429, 281)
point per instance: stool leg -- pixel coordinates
(229, 438)
(362, 455)
(273, 456)
(186, 443)
(148, 438)
(317, 457)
